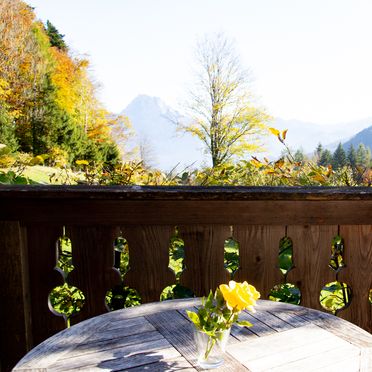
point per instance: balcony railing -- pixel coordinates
(32, 219)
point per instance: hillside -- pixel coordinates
(364, 137)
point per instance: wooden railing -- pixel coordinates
(33, 218)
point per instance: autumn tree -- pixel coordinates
(48, 102)
(221, 104)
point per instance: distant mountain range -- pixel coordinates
(365, 137)
(163, 147)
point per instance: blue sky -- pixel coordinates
(310, 59)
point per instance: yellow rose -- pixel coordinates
(239, 296)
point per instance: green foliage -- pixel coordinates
(285, 292)
(352, 157)
(122, 296)
(47, 100)
(7, 130)
(325, 158)
(335, 296)
(55, 38)
(285, 255)
(337, 250)
(339, 159)
(66, 300)
(231, 256)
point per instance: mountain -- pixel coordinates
(307, 135)
(365, 137)
(163, 147)
(157, 138)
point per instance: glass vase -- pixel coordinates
(210, 350)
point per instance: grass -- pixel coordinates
(46, 175)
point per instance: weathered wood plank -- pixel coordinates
(178, 212)
(311, 256)
(93, 260)
(344, 358)
(358, 273)
(259, 249)
(88, 345)
(15, 314)
(96, 192)
(293, 346)
(55, 347)
(92, 345)
(121, 356)
(149, 260)
(176, 364)
(178, 331)
(42, 258)
(204, 257)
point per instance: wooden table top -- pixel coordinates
(158, 337)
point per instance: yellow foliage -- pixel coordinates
(274, 131)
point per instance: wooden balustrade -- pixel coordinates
(32, 218)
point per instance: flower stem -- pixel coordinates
(210, 344)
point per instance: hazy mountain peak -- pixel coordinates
(151, 104)
(156, 133)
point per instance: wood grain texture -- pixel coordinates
(291, 338)
(178, 212)
(204, 257)
(93, 260)
(179, 332)
(304, 348)
(259, 250)
(15, 316)
(96, 192)
(149, 260)
(358, 273)
(311, 256)
(42, 258)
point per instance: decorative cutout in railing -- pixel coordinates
(231, 255)
(65, 300)
(121, 296)
(177, 266)
(285, 292)
(336, 296)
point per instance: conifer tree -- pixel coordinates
(339, 159)
(326, 158)
(318, 152)
(55, 38)
(352, 157)
(363, 156)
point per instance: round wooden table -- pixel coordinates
(158, 337)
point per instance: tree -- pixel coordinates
(299, 156)
(352, 157)
(220, 104)
(339, 159)
(318, 152)
(55, 38)
(326, 158)
(363, 155)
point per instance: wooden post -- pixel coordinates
(15, 319)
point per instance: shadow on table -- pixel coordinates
(160, 360)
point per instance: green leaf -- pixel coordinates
(193, 317)
(244, 323)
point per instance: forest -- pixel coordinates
(48, 101)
